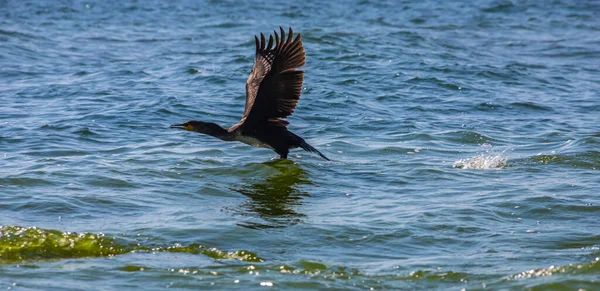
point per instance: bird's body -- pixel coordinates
(272, 92)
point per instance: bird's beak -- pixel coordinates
(177, 126)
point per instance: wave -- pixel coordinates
(30, 245)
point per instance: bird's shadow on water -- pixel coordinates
(275, 196)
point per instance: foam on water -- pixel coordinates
(485, 160)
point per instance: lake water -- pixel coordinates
(464, 138)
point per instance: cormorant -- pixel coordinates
(272, 92)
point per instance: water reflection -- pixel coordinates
(274, 196)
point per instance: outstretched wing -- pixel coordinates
(274, 85)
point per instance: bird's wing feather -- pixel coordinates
(274, 85)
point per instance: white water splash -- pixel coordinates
(487, 159)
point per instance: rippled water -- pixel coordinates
(464, 138)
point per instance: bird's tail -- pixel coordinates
(303, 144)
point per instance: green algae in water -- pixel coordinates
(592, 267)
(214, 253)
(131, 268)
(32, 243)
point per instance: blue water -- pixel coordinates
(464, 138)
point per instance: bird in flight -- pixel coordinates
(272, 92)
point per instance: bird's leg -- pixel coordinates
(283, 154)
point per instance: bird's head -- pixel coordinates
(200, 126)
(191, 125)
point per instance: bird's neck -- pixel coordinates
(217, 131)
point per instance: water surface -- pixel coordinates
(464, 138)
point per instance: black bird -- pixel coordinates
(272, 92)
